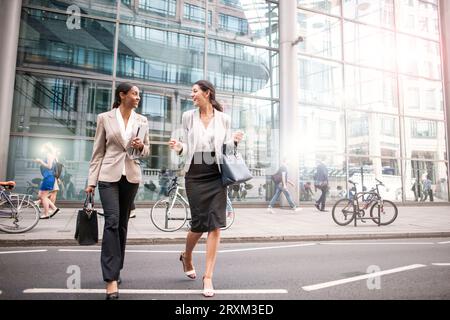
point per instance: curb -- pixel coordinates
(181, 240)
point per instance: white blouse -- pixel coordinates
(127, 132)
(206, 139)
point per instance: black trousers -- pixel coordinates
(323, 197)
(117, 198)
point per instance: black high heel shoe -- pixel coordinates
(112, 296)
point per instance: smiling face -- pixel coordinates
(131, 98)
(199, 97)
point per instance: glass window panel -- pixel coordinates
(369, 46)
(377, 12)
(239, 68)
(418, 17)
(370, 90)
(46, 41)
(58, 106)
(426, 181)
(102, 8)
(248, 21)
(320, 82)
(322, 133)
(422, 98)
(373, 134)
(160, 56)
(425, 139)
(321, 34)
(419, 57)
(326, 6)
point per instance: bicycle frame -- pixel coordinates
(367, 197)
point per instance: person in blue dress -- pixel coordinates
(47, 168)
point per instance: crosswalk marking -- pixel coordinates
(361, 277)
(441, 264)
(156, 291)
(444, 242)
(375, 243)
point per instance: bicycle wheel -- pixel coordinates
(342, 212)
(166, 218)
(230, 215)
(388, 212)
(18, 220)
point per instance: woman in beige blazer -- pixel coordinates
(206, 130)
(115, 168)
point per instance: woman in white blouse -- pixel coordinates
(206, 130)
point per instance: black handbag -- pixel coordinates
(86, 231)
(234, 170)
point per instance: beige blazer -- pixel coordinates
(222, 135)
(110, 151)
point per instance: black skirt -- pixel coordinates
(207, 197)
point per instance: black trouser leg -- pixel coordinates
(322, 199)
(116, 200)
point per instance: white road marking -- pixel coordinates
(200, 251)
(441, 264)
(444, 242)
(361, 277)
(23, 251)
(374, 243)
(0, 291)
(268, 248)
(156, 291)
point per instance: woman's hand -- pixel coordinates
(137, 143)
(238, 136)
(176, 145)
(89, 189)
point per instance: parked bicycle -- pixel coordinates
(382, 212)
(171, 213)
(18, 213)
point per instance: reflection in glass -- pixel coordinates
(380, 12)
(160, 56)
(58, 106)
(419, 57)
(369, 46)
(102, 8)
(322, 35)
(238, 68)
(46, 41)
(418, 17)
(373, 134)
(370, 90)
(423, 98)
(253, 21)
(326, 6)
(320, 82)
(425, 139)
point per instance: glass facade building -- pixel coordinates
(370, 74)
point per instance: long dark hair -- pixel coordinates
(122, 87)
(205, 85)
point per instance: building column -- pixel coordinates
(445, 29)
(9, 37)
(289, 121)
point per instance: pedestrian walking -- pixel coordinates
(321, 183)
(280, 178)
(47, 168)
(117, 175)
(206, 130)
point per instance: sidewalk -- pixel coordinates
(252, 224)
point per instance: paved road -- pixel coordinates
(371, 269)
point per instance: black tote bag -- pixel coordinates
(233, 167)
(86, 231)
